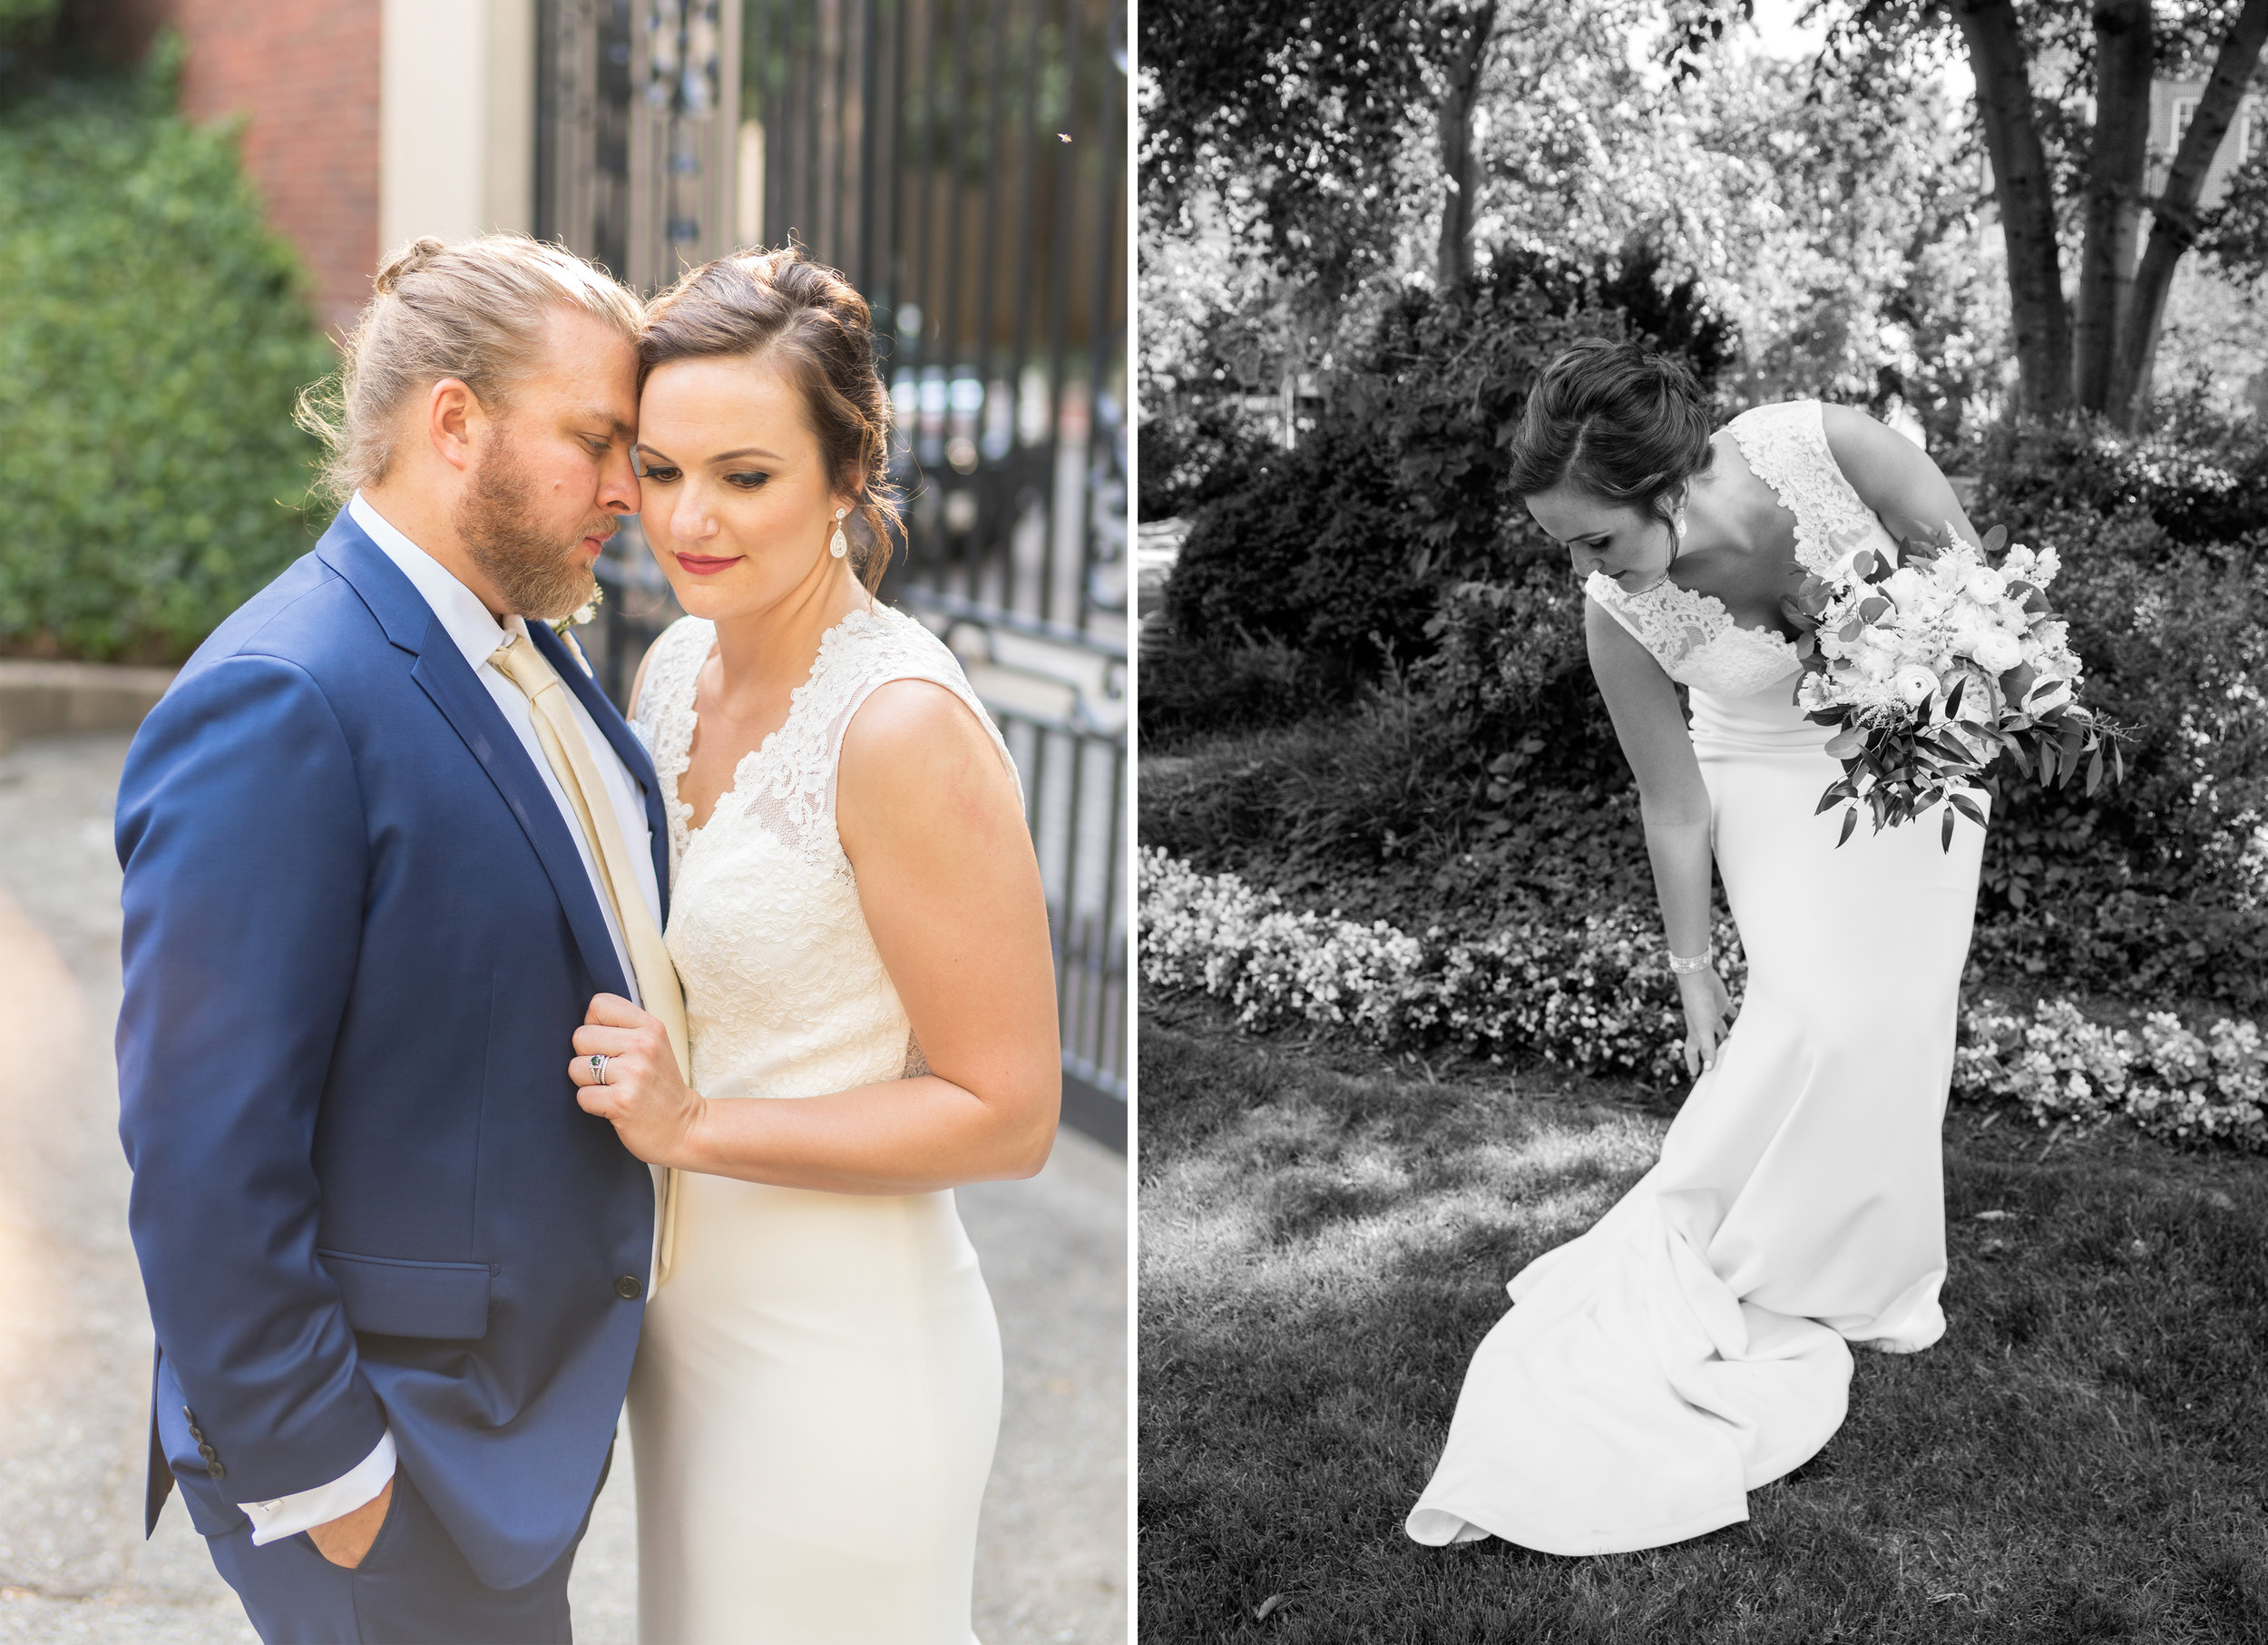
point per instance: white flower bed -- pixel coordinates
(2168, 1079)
(1599, 998)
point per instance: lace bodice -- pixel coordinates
(1691, 634)
(785, 995)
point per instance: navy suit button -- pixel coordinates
(207, 1452)
(627, 1287)
(216, 1469)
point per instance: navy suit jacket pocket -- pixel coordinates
(396, 1296)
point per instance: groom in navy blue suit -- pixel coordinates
(396, 1274)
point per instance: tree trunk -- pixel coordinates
(2026, 193)
(2116, 164)
(1466, 45)
(2174, 213)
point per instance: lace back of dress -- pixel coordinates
(1785, 446)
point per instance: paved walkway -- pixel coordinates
(74, 1338)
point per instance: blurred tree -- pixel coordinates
(153, 333)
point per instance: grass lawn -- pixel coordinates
(1326, 1233)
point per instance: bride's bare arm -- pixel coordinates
(1672, 801)
(1674, 805)
(947, 881)
(1891, 474)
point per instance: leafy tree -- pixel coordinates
(1840, 234)
(2038, 66)
(1313, 103)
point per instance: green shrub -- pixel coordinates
(1487, 788)
(152, 335)
(1191, 687)
(1448, 378)
(1194, 450)
(2158, 886)
(2200, 479)
(1344, 546)
(1310, 550)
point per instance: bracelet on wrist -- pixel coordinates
(1684, 966)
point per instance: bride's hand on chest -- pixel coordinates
(625, 1072)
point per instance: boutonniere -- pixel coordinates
(581, 615)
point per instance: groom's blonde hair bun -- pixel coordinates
(408, 260)
(474, 310)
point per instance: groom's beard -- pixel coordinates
(537, 575)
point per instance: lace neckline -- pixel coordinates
(1709, 613)
(681, 810)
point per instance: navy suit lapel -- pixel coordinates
(442, 672)
(623, 741)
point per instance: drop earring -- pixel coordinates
(838, 544)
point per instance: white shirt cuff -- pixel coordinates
(289, 1515)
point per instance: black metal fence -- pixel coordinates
(963, 161)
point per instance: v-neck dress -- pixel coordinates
(817, 1390)
(1693, 1344)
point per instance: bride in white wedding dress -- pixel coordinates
(857, 920)
(1694, 1344)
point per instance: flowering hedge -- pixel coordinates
(2168, 1079)
(1599, 998)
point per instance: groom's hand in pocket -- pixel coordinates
(644, 1092)
(346, 1541)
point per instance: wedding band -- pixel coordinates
(598, 1068)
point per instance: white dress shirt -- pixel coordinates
(477, 634)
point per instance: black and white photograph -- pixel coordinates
(564, 902)
(1702, 603)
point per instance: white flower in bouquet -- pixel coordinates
(1997, 649)
(1914, 684)
(1985, 586)
(1931, 666)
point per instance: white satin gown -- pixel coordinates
(817, 1389)
(1694, 1344)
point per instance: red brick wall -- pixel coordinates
(306, 73)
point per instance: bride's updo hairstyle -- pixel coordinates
(1617, 421)
(777, 307)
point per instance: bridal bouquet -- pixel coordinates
(1932, 668)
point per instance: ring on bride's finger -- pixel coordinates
(598, 1068)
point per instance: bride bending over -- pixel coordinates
(1693, 1344)
(857, 920)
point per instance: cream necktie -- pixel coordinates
(519, 662)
